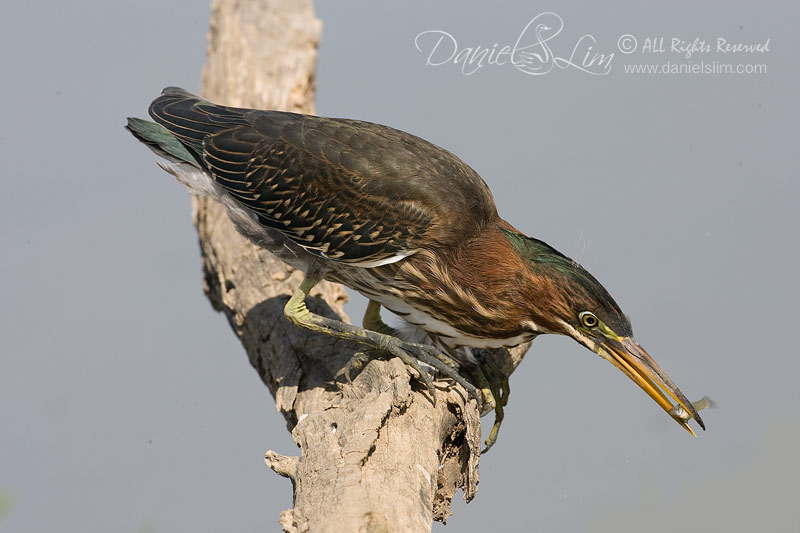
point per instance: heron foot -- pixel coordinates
(494, 381)
(410, 353)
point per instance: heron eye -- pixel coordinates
(588, 319)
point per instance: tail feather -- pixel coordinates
(182, 122)
(160, 140)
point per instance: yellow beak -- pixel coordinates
(636, 363)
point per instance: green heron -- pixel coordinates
(408, 225)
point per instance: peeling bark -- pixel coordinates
(375, 455)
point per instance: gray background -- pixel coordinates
(126, 403)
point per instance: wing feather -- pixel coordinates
(348, 190)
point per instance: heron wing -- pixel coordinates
(348, 190)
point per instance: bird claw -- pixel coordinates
(424, 375)
(358, 361)
(488, 396)
(497, 379)
(447, 366)
(412, 354)
(494, 383)
(492, 438)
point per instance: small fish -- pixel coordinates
(680, 413)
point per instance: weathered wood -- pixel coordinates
(375, 455)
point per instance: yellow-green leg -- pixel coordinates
(486, 376)
(409, 353)
(492, 383)
(372, 320)
(498, 383)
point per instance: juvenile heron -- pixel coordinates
(405, 223)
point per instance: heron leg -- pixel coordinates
(499, 382)
(372, 320)
(410, 353)
(494, 385)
